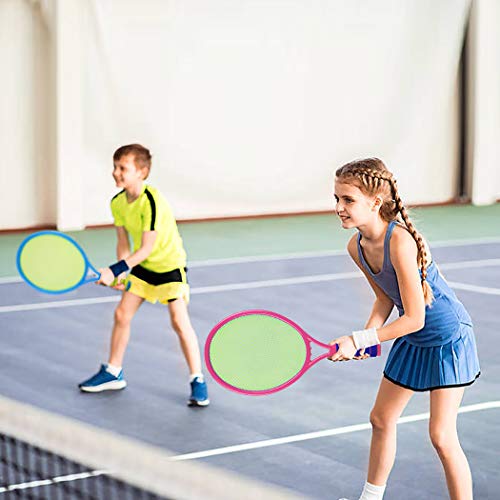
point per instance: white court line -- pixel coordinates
(194, 291)
(54, 480)
(328, 253)
(278, 282)
(266, 258)
(470, 264)
(474, 288)
(452, 265)
(297, 255)
(59, 303)
(255, 445)
(10, 279)
(255, 284)
(320, 434)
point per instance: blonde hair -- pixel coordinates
(373, 178)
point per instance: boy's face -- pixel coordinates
(125, 172)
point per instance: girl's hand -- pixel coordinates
(362, 355)
(107, 276)
(346, 351)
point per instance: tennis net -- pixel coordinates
(48, 456)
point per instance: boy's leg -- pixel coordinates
(125, 311)
(390, 403)
(187, 337)
(444, 437)
(189, 344)
(110, 376)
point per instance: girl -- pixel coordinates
(434, 348)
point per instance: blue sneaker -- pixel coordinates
(103, 381)
(199, 394)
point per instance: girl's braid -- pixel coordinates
(372, 180)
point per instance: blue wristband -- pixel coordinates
(118, 268)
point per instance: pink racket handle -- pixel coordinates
(373, 351)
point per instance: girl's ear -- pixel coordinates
(377, 203)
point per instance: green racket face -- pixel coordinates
(52, 263)
(256, 353)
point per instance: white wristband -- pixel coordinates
(365, 338)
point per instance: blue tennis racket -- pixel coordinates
(53, 262)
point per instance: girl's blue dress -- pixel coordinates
(443, 353)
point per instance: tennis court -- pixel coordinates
(313, 437)
(248, 126)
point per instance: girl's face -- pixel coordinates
(353, 207)
(125, 173)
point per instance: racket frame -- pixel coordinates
(86, 278)
(373, 351)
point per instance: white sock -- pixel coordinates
(114, 370)
(196, 375)
(372, 492)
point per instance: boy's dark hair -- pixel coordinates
(142, 156)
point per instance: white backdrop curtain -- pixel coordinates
(247, 106)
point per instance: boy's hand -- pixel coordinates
(119, 282)
(107, 276)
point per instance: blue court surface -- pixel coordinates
(313, 437)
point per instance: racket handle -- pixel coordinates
(116, 282)
(372, 351)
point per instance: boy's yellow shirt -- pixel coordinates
(151, 212)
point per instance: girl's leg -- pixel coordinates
(444, 437)
(187, 337)
(124, 313)
(390, 403)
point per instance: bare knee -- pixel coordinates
(176, 325)
(381, 422)
(122, 316)
(180, 326)
(444, 440)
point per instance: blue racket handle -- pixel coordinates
(373, 351)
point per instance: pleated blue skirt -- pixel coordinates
(421, 368)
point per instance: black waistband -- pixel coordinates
(174, 276)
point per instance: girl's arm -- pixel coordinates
(381, 310)
(383, 305)
(404, 260)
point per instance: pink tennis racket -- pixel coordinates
(259, 352)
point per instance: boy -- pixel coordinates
(158, 270)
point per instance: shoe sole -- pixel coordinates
(115, 385)
(193, 402)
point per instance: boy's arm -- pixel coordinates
(122, 244)
(147, 243)
(108, 274)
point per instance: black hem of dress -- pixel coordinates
(432, 388)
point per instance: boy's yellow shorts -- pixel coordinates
(162, 293)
